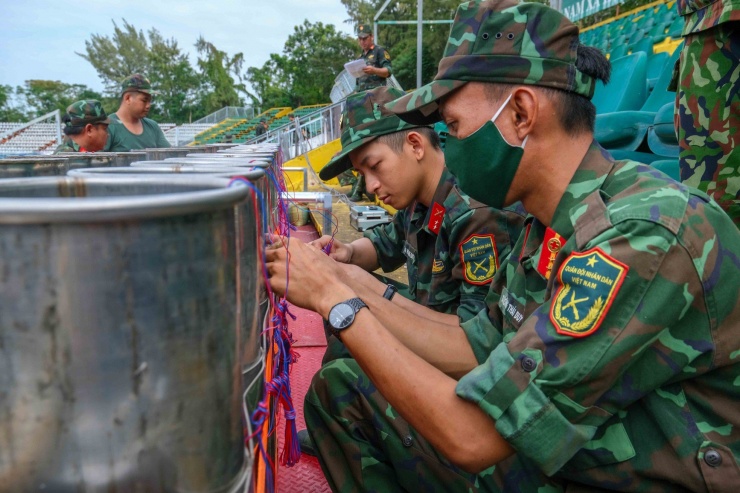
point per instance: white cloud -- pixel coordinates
(39, 38)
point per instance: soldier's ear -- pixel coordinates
(416, 142)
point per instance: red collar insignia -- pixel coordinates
(550, 247)
(435, 218)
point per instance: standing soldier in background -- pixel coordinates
(131, 128)
(85, 129)
(708, 100)
(377, 59)
(378, 69)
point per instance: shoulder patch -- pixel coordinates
(589, 282)
(387, 56)
(479, 259)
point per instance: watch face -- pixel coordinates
(341, 316)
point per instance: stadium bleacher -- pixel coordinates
(635, 110)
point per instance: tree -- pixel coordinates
(126, 53)
(400, 39)
(175, 79)
(218, 70)
(10, 111)
(304, 74)
(130, 51)
(45, 96)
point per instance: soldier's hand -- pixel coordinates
(368, 70)
(305, 275)
(339, 251)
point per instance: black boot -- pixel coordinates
(307, 446)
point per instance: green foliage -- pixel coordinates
(400, 39)
(45, 96)
(130, 51)
(304, 74)
(218, 70)
(9, 109)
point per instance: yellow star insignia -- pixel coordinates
(591, 262)
(475, 241)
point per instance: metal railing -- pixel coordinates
(246, 112)
(305, 133)
(25, 140)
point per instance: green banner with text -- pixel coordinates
(578, 9)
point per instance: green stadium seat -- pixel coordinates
(619, 51)
(646, 23)
(674, 30)
(662, 138)
(655, 65)
(658, 32)
(626, 130)
(645, 45)
(629, 28)
(627, 88)
(669, 167)
(636, 37)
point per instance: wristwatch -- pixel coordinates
(343, 314)
(390, 292)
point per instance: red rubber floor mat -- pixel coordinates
(310, 344)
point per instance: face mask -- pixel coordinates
(484, 163)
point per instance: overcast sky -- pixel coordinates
(39, 38)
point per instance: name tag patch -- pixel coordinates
(409, 251)
(589, 282)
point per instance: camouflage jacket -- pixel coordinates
(68, 145)
(704, 14)
(452, 250)
(622, 371)
(377, 57)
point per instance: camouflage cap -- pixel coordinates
(363, 120)
(501, 41)
(137, 83)
(364, 30)
(83, 112)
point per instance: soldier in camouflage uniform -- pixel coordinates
(708, 100)
(451, 244)
(378, 69)
(85, 127)
(608, 358)
(376, 57)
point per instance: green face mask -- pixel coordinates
(484, 163)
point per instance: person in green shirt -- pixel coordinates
(130, 128)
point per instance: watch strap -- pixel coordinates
(390, 292)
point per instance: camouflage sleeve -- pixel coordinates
(479, 242)
(388, 241)
(384, 60)
(601, 342)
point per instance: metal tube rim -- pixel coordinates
(217, 194)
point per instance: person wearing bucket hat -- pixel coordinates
(607, 357)
(131, 129)
(85, 127)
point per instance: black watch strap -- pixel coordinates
(390, 292)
